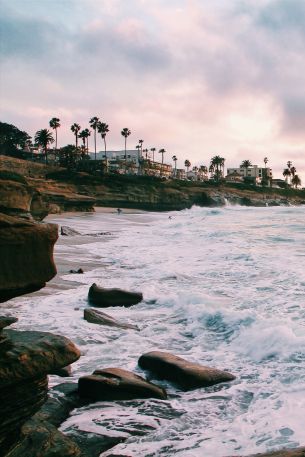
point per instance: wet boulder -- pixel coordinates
(5, 321)
(117, 384)
(104, 298)
(42, 439)
(97, 317)
(186, 374)
(24, 366)
(68, 231)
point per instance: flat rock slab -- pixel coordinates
(97, 317)
(117, 384)
(186, 374)
(104, 298)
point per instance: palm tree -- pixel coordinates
(153, 150)
(187, 165)
(175, 162)
(84, 135)
(75, 129)
(94, 121)
(141, 145)
(103, 129)
(246, 164)
(293, 171)
(265, 161)
(296, 181)
(55, 124)
(203, 169)
(289, 163)
(125, 133)
(162, 151)
(286, 174)
(217, 163)
(211, 169)
(43, 138)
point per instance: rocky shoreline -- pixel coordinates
(31, 413)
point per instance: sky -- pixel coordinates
(197, 77)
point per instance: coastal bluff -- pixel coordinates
(57, 190)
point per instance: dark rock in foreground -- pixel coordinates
(97, 317)
(117, 384)
(42, 439)
(299, 452)
(23, 377)
(99, 296)
(186, 374)
(26, 253)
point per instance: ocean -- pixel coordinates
(223, 287)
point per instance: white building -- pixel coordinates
(254, 171)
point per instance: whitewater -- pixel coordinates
(223, 287)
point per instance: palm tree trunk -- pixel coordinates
(56, 139)
(125, 156)
(106, 154)
(46, 153)
(95, 144)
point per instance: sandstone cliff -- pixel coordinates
(26, 253)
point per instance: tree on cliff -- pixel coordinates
(94, 122)
(103, 129)
(84, 135)
(55, 124)
(75, 129)
(296, 181)
(174, 158)
(125, 133)
(217, 167)
(153, 150)
(43, 138)
(286, 174)
(246, 164)
(69, 156)
(187, 165)
(162, 151)
(12, 140)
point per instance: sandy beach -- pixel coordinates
(70, 252)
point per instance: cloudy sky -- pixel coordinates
(196, 77)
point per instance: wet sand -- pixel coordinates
(68, 251)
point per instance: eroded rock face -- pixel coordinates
(117, 384)
(42, 439)
(99, 296)
(97, 317)
(15, 198)
(26, 255)
(186, 374)
(24, 366)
